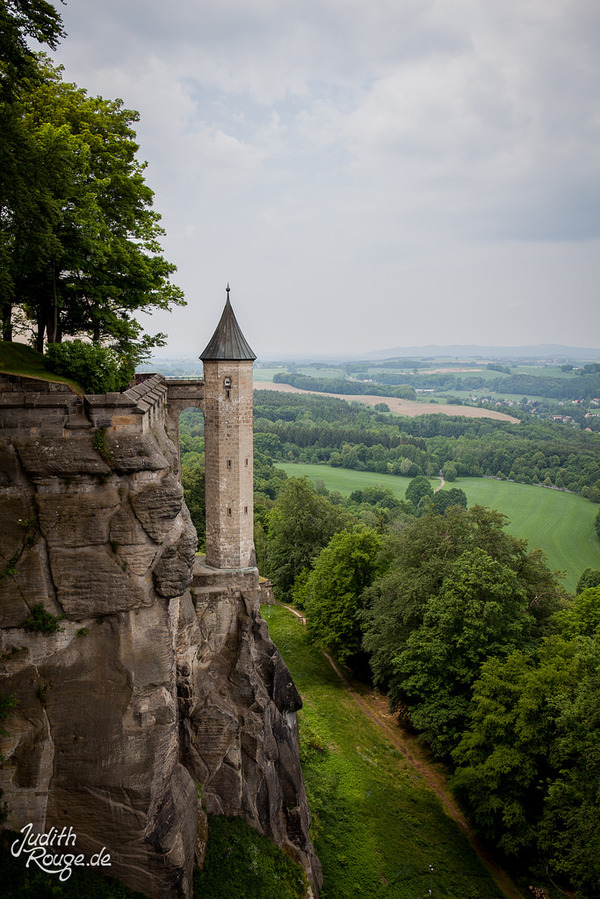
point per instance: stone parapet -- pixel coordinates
(219, 581)
(30, 405)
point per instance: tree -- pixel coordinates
(192, 481)
(449, 472)
(582, 616)
(444, 499)
(528, 765)
(79, 235)
(479, 611)
(333, 593)
(300, 525)
(19, 20)
(597, 523)
(502, 762)
(421, 556)
(569, 832)
(417, 489)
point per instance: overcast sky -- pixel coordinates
(364, 173)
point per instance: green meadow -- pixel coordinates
(377, 825)
(561, 524)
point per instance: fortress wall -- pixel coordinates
(28, 405)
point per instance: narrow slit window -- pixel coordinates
(245, 510)
(229, 511)
(229, 463)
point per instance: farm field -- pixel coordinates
(561, 524)
(377, 824)
(401, 407)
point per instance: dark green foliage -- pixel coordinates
(100, 444)
(192, 480)
(79, 240)
(20, 882)
(11, 566)
(41, 621)
(569, 834)
(478, 612)
(96, 368)
(419, 560)
(418, 488)
(8, 701)
(243, 863)
(300, 525)
(449, 471)
(582, 615)
(528, 764)
(590, 577)
(444, 499)
(502, 762)
(19, 21)
(332, 594)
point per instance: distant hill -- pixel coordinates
(550, 351)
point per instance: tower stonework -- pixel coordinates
(228, 435)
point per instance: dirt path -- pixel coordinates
(401, 407)
(375, 706)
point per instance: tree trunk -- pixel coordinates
(41, 329)
(52, 318)
(7, 331)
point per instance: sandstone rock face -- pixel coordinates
(153, 685)
(237, 705)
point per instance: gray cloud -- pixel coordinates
(364, 172)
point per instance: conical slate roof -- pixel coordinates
(228, 343)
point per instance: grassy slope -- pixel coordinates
(377, 826)
(561, 524)
(18, 359)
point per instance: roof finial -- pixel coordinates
(227, 289)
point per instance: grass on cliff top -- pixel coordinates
(377, 827)
(24, 361)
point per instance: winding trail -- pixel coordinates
(375, 707)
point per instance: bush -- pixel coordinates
(96, 368)
(41, 621)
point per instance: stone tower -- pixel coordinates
(227, 363)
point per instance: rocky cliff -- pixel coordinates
(161, 684)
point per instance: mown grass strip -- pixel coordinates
(377, 826)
